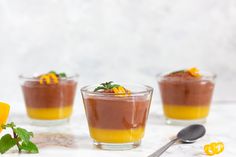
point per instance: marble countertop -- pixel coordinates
(74, 140)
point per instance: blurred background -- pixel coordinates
(120, 40)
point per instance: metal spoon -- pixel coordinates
(187, 135)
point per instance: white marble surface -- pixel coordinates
(74, 140)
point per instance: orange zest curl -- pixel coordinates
(121, 91)
(48, 78)
(194, 72)
(214, 148)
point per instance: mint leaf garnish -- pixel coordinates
(6, 143)
(52, 72)
(179, 71)
(62, 74)
(29, 147)
(106, 86)
(23, 134)
(21, 139)
(99, 88)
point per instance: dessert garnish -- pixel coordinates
(20, 138)
(191, 71)
(109, 87)
(51, 77)
(194, 72)
(214, 148)
(179, 71)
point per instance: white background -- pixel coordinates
(121, 40)
(124, 41)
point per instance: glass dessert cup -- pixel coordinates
(49, 104)
(117, 122)
(186, 100)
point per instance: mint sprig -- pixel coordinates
(106, 86)
(62, 74)
(21, 139)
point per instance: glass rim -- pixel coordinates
(205, 75)
(148, 89)
(31, 77)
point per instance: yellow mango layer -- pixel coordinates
(49, 113)
(184, 112)
(4, 111)
(117, 136)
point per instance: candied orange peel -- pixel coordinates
(48, 78)
(121, 91)
(194, 72)
(214, 148)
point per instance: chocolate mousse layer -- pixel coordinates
(116, 112)
(181, 88)
(38, 95)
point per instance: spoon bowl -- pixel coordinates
(191, 133)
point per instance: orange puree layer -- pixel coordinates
(116, 136)
(49, 113)
(184, 112)
(4, 111)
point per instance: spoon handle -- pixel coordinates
(163, 149)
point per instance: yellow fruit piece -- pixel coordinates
(115, 90)
(4, 112)
(54, 77)
(47, 78)
(214, 148)
(194, 72)
(121, 91)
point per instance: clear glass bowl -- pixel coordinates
(186, 101)
(49, 104)
(117, 122)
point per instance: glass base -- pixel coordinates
(49, 122)
(116, 146)
(185, 122)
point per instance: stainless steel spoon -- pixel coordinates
(187, 135)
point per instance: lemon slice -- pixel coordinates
(4, 111)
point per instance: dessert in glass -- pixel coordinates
(116, 114)
(186, 95)
(49, 97)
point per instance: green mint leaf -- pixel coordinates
(52, 72)
(115, 85)
(6, 143)
(62, 74)
(23, 134)
(29, 147)
(107, 83)
(99, 88)
(106, 86)
(179, 71)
